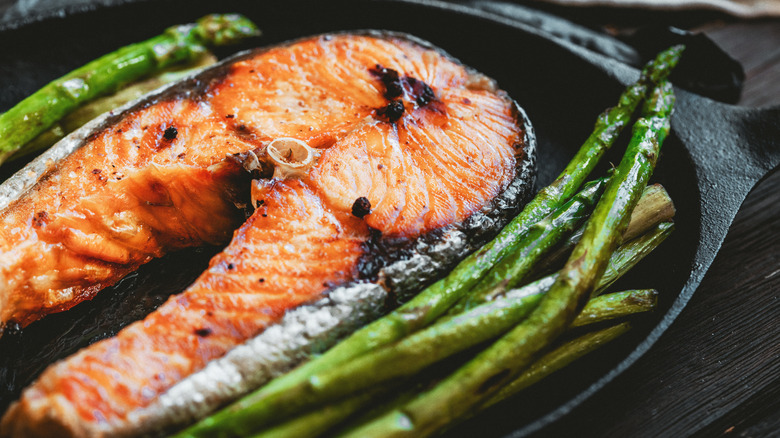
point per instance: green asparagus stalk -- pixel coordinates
(480, 378)
(316, 422)
(654, 207)
(614, 305)
(89, 111)
(607, 307)
(621, 261)
(42, 109)
(630, 253)
(558, 358)
(535, 242)
(426, 347)
(608, 127)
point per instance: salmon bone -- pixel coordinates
(292, 158)
(282, 158)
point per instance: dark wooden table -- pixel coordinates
(716, 371)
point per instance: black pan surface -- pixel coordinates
(563, 75)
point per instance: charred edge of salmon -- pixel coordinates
(314, 327)
(405, 266)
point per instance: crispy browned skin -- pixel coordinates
(437, 164)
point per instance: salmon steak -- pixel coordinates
(351, 170)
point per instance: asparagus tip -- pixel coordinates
(224, 29)
(660, 67)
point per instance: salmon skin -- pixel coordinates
(378, 162)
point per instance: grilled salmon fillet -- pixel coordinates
(417, 160)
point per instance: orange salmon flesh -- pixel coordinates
(406, 140)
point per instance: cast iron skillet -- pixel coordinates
(561, 74)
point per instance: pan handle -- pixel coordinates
(728, 141)
(732, 147)
(762, 127)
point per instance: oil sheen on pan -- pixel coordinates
(350, 170)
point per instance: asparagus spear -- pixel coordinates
(535, 242)
(481, 377)
(558, 358)
(426, 347)
(621, 261)
(316, 422)
(608, 307)
(437, 298)
(614, 305)
(654, 207)
(629, 254)
(608, 127)
(60, 97)
(89, 111)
